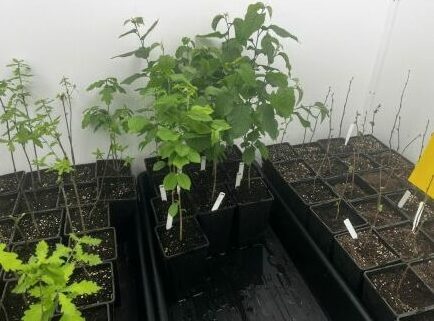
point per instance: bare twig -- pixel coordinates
(374, 114)
(345, 106)
(316, 120)
(423, 139)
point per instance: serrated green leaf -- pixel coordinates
(240, 121)
(8, 260)
(283, 101)
(83, 287)
(68, 309)
(41, 250)
(193, 156)
(184, 181)
(33, 313)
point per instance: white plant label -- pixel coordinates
(418, 215)
(350, 228)
(202, 163)
(241, 168)
(404, 199)
(238, 179)
(350, 131)
(169, 222)
(218, 201)
(163, 193)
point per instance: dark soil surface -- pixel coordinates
(369, 210)
(257, 192)
(192, 237)
(47, 179)
(118, 188)
(281, 152)
(83, 173)
(206, 177)
(203, 200)
(112, 168)
(366, 144)
(6, 230)
(425, 270)
(48, 222)
(407, 244)
(368, 251)
(87, 194)
(403, 173)
(7, 204)
(107, 249)
(328, 167)
(348, 190)
(411, 206)
(391, 159)
(314, 192)
(428, 227)
(15, 304)
(10, 182)
(389, 182)
(336, 146)
(39, 200)
(233, 153)
(98, 313)
(334, 215)
(161, 208)
(405, 296)
(293, 171)
(361, 163)
(94, 217)
(311, 151)
(101, 275)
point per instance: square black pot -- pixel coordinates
(7, 229)
(11, 183)
(95, 216)
(280, 152)
(367, 144)
(83, 173)
(328, 167)
(253, 211)
(112, 167)
(390, 183)
(160, 209)
(309, 151)
(362, 163)
(31, 180)
(335, 146)
(49, 224)
(107, 250)
(8, 204)
(383, 309)
(117, 188)
(360, 188)
(323, 230)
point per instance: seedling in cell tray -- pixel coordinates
(44, 284)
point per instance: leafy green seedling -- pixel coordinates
(47, 279)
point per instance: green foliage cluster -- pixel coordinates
(47, 278)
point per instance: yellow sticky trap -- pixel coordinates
(423, 173)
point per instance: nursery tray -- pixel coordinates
(258, 282)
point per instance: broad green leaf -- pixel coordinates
(304, 122)
(179, 161)
(215, 137)
(216, 20)
(167, 134)
(286, 59)
(283, 101)
(193, 156)
(200, 113)
(282, 32)
(247, 74)
(231, 50)
(215, 34)
(269, 121)
(83, 287)
(240, 120)
(184, 181)
(249, 155)
(170, 181)
(158, 166)
(182, 150)
(68, 309)
(276, 79)
(220, 125)
(268, 47)
(137, 124)
(129, 80)
(173, 209)
(33, 313)
(263, 150)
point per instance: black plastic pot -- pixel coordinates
(350, 269)
(7, 228)
(95, 216)
(112, 168)
(390, 182)
(412, 204)
(87, 194)
(52, 218)
(233, 154)
(8, 204)
(107, 250)
(31, 180)
(253, 211)
(117, 188)
(322, 231)
(301, 202)
(184, 269)
(423, 316)
(381, 308)
(348, 160)
(280, 152)
(309, 151)
(160, 209)
(217, 225)
(83, 173)
(16, 181)
(230, 169)
(405, 162)
(149, 166)
(374, 145)
(328, 167)
(39, 200)
(359, 184)
(335, 146)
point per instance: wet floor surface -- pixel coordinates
(258, 283)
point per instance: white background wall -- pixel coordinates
(339, 39)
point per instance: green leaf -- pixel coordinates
(282, 32)
(179, 161)
(182, 150)
(286, 59)
(215, 34)
(215, 137)
(167, 134)
(68, 309)
(304, 122)
(158, 166)
(8, 260)
(200, 113)
(231, 50)
(149, 30)
(220, 125)
(170, 181)
(276, 79)
(247, 74)
(41, 250)
(173, 209)
(83, 288)
(263, 150)
(283, 101)
(33, 313)
(184, 181)
(193, 156)
(249, 155)
(268, 47)
(216, 21)
(129, 80)
(137, 124)
(134, 30)
(269, 121)
(240, 121)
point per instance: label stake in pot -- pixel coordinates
(404, 199)
(418, 216)
(218, 202)
(350, 131)
(350, 228)
(202, 163)
(163, 193)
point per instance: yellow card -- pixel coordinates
(423, 173)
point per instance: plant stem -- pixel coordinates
(316, 119)
(180, 215)
(345, 106)
(423, 139)
(214, 173)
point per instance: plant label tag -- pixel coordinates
(238, 179)
(404, 199)
(169, 222)
(202, 163)
(350, 131)
(241, 168)
(350, 229)
(163, 193)
(218, 201)
(418, 215)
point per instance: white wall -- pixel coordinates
(339, 39)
